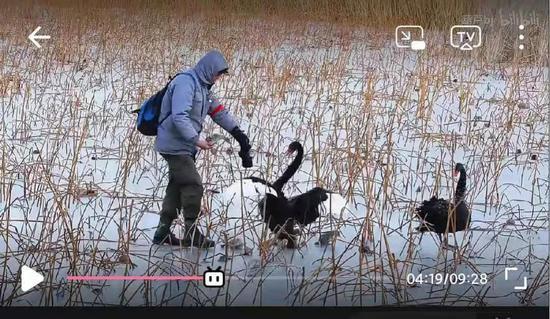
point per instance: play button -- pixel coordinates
(29, 278)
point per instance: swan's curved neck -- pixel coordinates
(291, 169)
(460, 187)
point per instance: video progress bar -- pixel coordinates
(112, 278)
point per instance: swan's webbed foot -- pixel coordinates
(289, 233)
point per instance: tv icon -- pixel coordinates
(213, 278)
(465, 37)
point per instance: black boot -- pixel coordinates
(169, 239)
(194, 237)
(163, 235)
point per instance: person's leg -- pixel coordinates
(170, 206)
(191, 191)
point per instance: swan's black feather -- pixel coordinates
(280, 213)
(440, 216)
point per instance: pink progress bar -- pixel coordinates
(134, 278)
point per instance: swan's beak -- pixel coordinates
(456, 173)
(289, 152)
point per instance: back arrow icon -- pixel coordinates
(34, 36)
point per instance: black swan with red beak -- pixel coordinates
(281, 213)
(441, 216)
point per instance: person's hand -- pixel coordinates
(246, 159)
(244, 143)
(204, 144)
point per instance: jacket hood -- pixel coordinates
(209, 65)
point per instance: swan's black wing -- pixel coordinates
(274, 211)
(434, 213)
(304, 208)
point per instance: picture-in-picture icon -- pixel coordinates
(410, 36)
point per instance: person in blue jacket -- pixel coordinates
(187, 102)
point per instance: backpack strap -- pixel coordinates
(170, 81)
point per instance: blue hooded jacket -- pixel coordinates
(189, 98)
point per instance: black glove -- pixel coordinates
(244, 143)
(246, 159)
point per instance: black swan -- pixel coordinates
(435, 212)
(281, 213)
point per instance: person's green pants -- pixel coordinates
(183, 193)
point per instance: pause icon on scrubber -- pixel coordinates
(213, 278)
